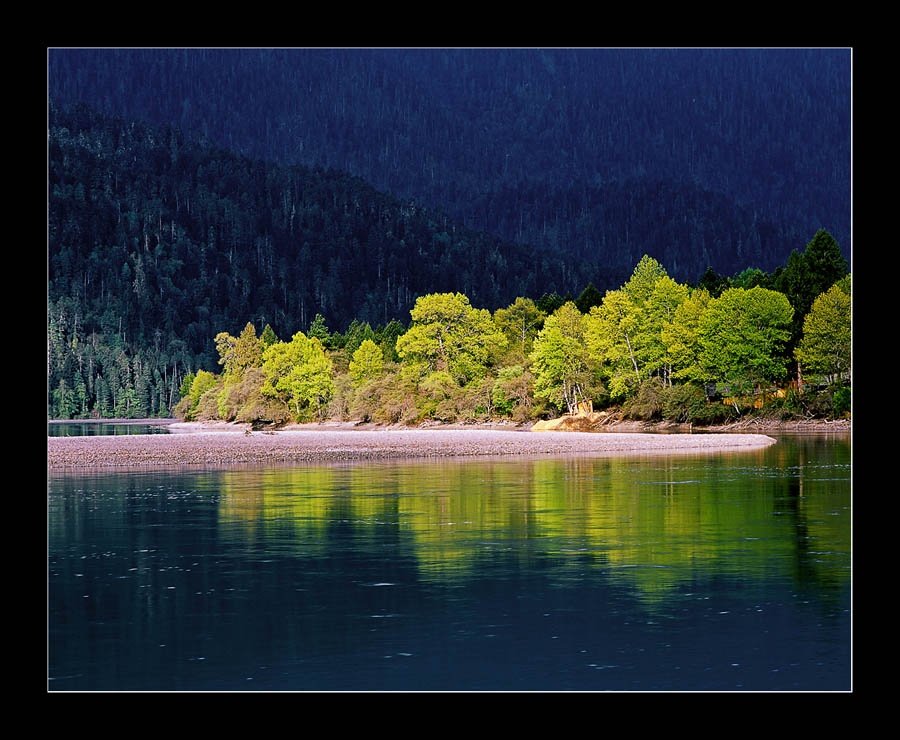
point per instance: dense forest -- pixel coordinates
(721, 158)
(159, 248)
(654, 347)
(327, 191)
(155, 243)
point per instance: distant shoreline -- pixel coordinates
(750, 424)
(215, 447)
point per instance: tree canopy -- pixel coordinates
(560, 360)
(826, 347)
(449, 335)
(299, 374)
(742, 335)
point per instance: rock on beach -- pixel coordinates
(222, 448)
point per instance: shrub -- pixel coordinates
(688, 404)
(841, 401)
(684, 403)
(341, 402)
(648, 403)
(793, 404)
(207, 408)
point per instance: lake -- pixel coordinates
(721, 572)
(101, 428)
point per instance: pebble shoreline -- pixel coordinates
(215, 448)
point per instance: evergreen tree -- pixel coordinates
(550, 303)
(64, 406)
(806, 276)
(268, 338)
(713, 283)
(103, 406)
(387, 340)
(239, 353)
(825, 261)
(589, 298)
(319, 330)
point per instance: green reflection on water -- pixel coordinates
(653, 525)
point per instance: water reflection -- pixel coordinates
(106, 428)
(653, 524)
(542, 573)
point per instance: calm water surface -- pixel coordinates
(106, 428)
(717, 572)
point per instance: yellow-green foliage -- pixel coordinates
(239, 353)
(825, 346)
(367, 363)
(458, 362)
(742, 334)
(451, 336)
(560, 360)
(298, 374)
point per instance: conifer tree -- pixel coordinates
(267, 338)
(589, 298)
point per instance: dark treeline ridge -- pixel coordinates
(698, 157)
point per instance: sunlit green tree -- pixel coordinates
(200, 383)
(611, 339)
(520, 322)
(563, 372)
(825, 346)
(299, 374)
(658, 312)
(642, 281)
(239, 353)
(449, 335)
(624, 331)
(203, 381)
(367, 363)
(742, 335)
(682, 339)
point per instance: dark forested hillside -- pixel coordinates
(155, 244)
(730, 157)
(161, 232)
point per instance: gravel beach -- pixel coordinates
(208, 448)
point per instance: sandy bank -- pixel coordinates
(211, 447)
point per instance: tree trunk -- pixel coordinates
(637, 374)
